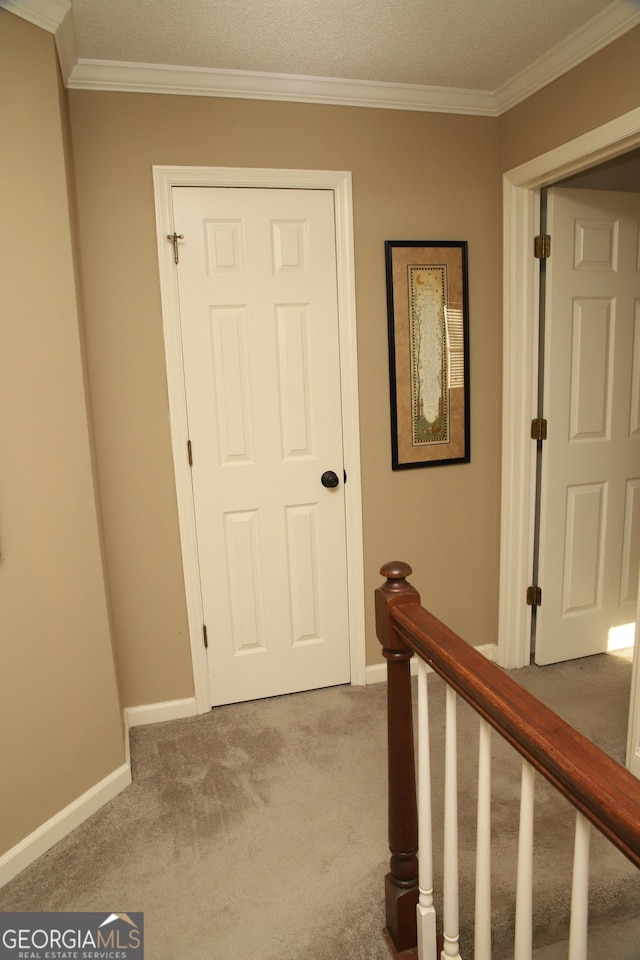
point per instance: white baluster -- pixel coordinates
(450, 899)
(482, 936)
(580, 891)
(524, 888)
(427, 946)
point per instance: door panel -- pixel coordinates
(259, 322)
(589, 524)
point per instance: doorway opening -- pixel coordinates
(521, 195)
(589, 481)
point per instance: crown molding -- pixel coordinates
(611, 23)
(619, 17)
(47, 14)
(248, 85)
(66, 45)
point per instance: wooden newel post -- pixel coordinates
(401, 883)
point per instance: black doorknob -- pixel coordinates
(329, 479)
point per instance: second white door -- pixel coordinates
(259, 322)
(590, 510)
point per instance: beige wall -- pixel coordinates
(604, 87)
(59, 710)
(424, 176)
(415, 176)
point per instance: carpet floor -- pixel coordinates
(258, 831)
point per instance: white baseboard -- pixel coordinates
(159, 712)
(49, 833)
(490, 650)
(377, 672)
(38, 842)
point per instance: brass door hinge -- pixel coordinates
(539, 429)
(534, 595)
(204, 636)
(542, 246)
(189, 453)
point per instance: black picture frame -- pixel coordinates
(428, 329)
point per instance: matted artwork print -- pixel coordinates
(427, 303)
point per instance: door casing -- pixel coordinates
(632, 759)
(164, 178)
(521, 193)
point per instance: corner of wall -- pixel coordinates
(57, 827)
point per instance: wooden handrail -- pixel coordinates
(601, 789)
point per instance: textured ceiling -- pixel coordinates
(466, 44)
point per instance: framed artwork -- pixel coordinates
(427, 303)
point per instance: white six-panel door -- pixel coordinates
(258, 314)
(590, 508)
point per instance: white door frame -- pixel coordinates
(521, 187)
(164, 178)
(632, 758)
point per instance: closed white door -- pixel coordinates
(259, 321)
(590, 504)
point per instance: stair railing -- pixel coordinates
(603, 792)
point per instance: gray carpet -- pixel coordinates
(259, 830)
